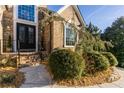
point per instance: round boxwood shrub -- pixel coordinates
(66, 64)
(112, 60)
(95, 62)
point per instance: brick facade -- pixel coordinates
(52, 36)
(7, 24)
(70, 15)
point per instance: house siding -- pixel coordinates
(70, 15)
(49, 38)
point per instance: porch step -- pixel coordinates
(30, 59)
(33, 58)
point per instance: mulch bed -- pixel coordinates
(89, 80)
(19, 78)
(98, 78)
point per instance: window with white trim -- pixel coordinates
(26, 12)
(70, 36)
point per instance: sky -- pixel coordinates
(100, 15)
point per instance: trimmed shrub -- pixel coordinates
(112, 60)
(12, 62)
(66, 64)
(7, 78)
(8, 62)
(95, 62)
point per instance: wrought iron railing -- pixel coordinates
(7, 46)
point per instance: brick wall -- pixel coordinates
(7, 25)
(58, 34)
(69, 14)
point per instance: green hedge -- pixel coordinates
(66, 64)
(112, 60)
(95, 62)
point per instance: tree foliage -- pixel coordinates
(94, 30)
(115, 34)
(88, 42)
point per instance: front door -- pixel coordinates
(25, 37)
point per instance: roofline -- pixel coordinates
(62, 9)
(77, 11)
(81, 15)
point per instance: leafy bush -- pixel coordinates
(12, 62)
(108, 46)
(66, 64)
(112, 60)
(8, 62)
(99, 45)
(7, 78)
(88, 42)
(95, 62)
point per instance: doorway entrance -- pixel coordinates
(26, 37)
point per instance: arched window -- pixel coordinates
(26, 12)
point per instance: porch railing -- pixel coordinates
(8, 46)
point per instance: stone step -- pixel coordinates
(30, 59)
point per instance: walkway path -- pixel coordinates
(36, 77)
(39, 77)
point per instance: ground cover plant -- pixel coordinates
(9, 73)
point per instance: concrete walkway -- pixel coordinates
(39, 77)
(36, 76)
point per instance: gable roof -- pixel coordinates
(77, 10)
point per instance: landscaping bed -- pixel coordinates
(68, 68)
(98, 78)
(10, 78)
(9, 73)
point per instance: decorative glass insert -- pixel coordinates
(26, 12)
(71, 36)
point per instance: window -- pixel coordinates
(22, 33)
(31, 35)
(26, 12)
(70, 36)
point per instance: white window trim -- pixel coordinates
(17, 20)
(65, 45)
(28, 21)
